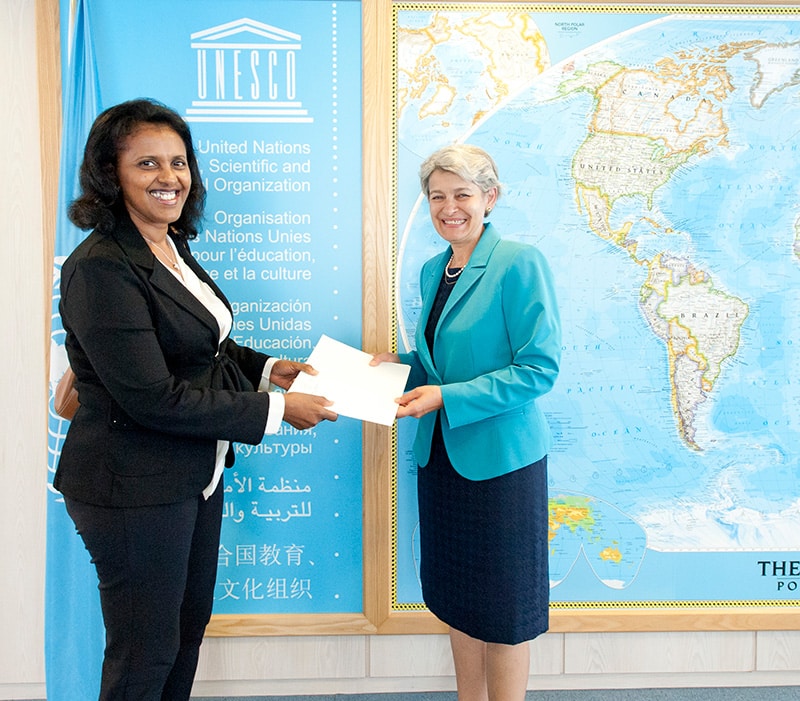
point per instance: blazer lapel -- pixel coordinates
(473, 271)
(470, 276)
(137, 250)
(188, 258)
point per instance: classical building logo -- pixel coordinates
(247, 72)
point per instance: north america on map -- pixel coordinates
(655, 160)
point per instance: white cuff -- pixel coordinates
(277, 404)
(264, 385)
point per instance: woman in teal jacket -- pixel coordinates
(488, 345)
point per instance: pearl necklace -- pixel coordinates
(450, 278)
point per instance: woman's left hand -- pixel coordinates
(420, 401)
(284, 372)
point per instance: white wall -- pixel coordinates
(255, 666)
(23, 440)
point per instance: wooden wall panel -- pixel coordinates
(777, 651)
(429, 656)
(296, 657)
(626, 653)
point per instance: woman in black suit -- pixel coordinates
(163, 393)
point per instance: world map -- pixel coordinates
(655, 160)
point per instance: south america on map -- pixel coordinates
(655, 160)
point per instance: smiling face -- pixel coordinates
(154, 177)
(457, 209)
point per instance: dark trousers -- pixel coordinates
(157, 567)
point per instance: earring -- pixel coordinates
(487, 212)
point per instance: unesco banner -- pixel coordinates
(272, 92)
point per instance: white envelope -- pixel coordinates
(357, 389)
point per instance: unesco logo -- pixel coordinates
(785, 573)
(247, 72)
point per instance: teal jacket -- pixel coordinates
(497, 350)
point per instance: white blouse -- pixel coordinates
(221, 313)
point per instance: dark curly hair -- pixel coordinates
(100, 203)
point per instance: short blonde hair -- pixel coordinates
(468, 162)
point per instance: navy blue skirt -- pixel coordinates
(484, 549)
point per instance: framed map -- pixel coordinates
(653, 154)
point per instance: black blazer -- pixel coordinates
(155, 394)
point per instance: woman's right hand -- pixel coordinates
(379, 358)
(306, 410)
